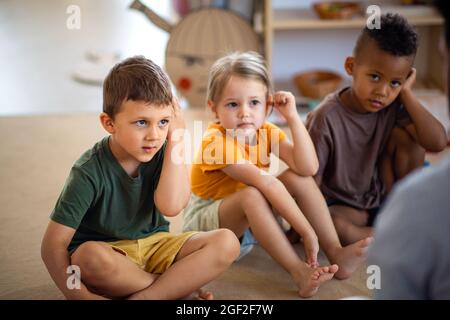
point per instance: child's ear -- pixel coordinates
(107, 123)
(212, 107)
(349, 64)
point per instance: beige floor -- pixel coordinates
(37, 153)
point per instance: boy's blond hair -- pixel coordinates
(244, 64)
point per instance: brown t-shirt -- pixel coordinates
(349, 146)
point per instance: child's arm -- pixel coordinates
(300, 156)
(425, 128)
(277, 195)
(56, 258)
(173, 190)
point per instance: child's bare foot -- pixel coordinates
(349, 258)
(310, 279)
(200, 294)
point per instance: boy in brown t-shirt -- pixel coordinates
(375, 132)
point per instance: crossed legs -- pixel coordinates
(401, 156)
(202, 258)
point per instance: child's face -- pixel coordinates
(242, 105)
(139, 130)
(378, 78)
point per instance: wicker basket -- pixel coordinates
(317, 84)
(336, 10)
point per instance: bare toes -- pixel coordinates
(333, 268)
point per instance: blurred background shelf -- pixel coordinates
(295, 40)
(302, 18)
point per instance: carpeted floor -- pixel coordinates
(36, 155)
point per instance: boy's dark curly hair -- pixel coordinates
(395, 36)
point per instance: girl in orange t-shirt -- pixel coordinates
(233, 189)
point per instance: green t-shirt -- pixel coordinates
(103, 203)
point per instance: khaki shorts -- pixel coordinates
(201, 214)
(154, 254)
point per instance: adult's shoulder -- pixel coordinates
(421, 199)
(427, 181)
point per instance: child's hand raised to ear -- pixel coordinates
(177, 120)
(284, 103)
(410, 80)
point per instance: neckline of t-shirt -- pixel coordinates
(117, 167)
(347, 109)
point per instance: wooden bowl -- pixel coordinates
(336, 10)
(316, 84)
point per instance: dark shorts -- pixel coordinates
(373, 212)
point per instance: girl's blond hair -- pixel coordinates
(248, 64)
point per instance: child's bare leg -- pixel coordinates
(312, 203)
(201, 259)
(349, 229)
(248, 207)
(109, 272)
(401, 156)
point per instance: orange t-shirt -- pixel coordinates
(218, 150)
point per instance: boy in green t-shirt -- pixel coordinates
(108, 224)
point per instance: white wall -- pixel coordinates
(300, 50)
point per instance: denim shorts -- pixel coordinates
(247, 243)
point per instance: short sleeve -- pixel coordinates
(218, 151)
(74, 200)
(321, 138)
(274, 132)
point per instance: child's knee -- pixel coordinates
(406, 147)
(402, 148)
(94, 259)
(401, 139)
(414, 152)
(226, 245)
(339, 223)
(251, 195)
